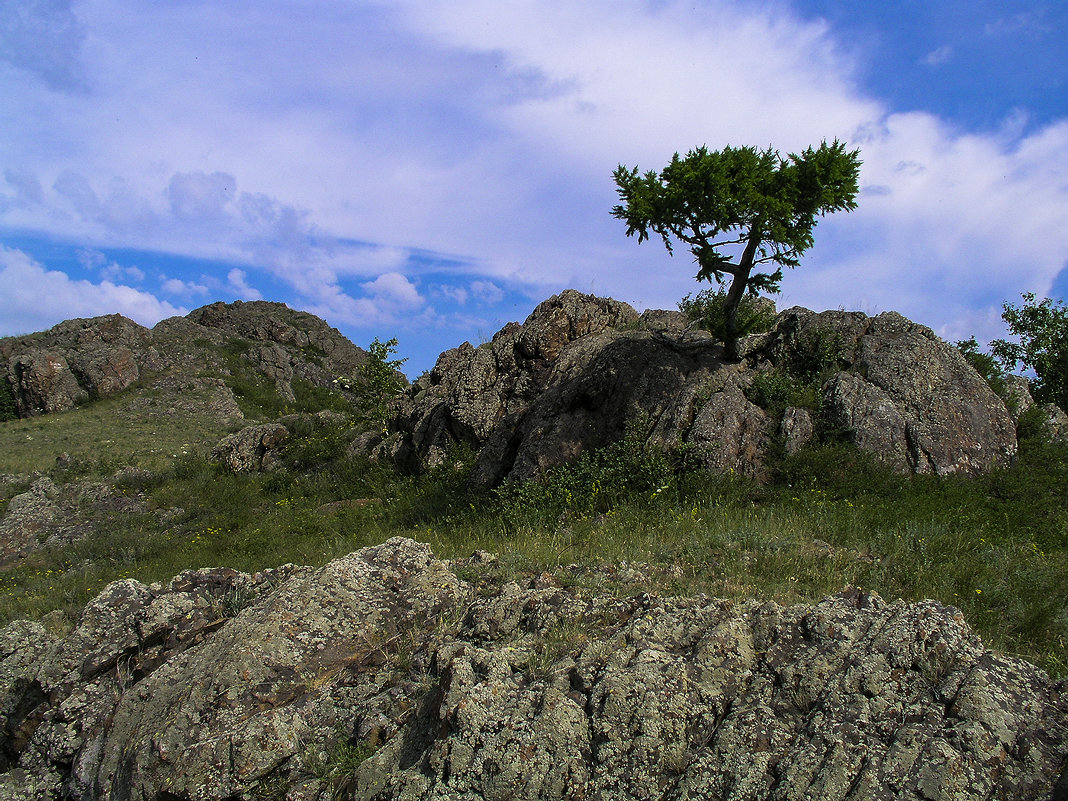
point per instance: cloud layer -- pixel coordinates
(355, 157)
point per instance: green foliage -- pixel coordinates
(1042, 330)
(798, 381)
(709, 309)
(593, 484)
(739, 208)
(776, 390)
(377, 382)
(983, 363)
(7, 400)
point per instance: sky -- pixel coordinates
(430, 171)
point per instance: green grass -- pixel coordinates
(103, 435)
(996, 546)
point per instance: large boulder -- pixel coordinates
(384, 676)
(582, 370)
(42, 382)
(903, 393)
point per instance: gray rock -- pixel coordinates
(1054, 423)
(796, 429)
(1017, 395)
(84, 359)
(251, 449)
(57, 515)
(42, 382)
(581, 371)
(382, 676)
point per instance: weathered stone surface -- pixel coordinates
(251, 449)
(1054, 422)
(223, 685)
(42, 382)
(796, 429)
(581, 370)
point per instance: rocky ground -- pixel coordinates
(385, 675)
(389, 674)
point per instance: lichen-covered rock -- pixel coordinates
(383, 676)
(91, 358)
(582, 370)
(251, 449)
(54, 514)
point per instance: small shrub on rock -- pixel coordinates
(709, 310)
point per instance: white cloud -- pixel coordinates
(457, 294)
(36, 298)
(175, 286)
(487, 291)
(487, 132)
(44, 38)
(237, 283)
(393, 289)
(197, 195)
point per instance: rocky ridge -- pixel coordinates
(582, 369)
(85, 359)
(386, 675)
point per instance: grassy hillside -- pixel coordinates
(619, 520)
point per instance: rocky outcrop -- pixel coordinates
(84, 359)
(251, 449)
(56, 514)
(384, 676)
(583, 369)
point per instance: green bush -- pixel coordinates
(985, 364)
(1042, 330)
(708, 309)
(595, 483)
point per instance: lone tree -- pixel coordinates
(739, 199)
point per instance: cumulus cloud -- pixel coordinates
(175, 286)
(393, 289)
(36, 298)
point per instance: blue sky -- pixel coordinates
(430, 171)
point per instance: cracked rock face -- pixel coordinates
(582, 369)
(224, 685)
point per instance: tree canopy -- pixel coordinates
(1042, 330)
(739, 208)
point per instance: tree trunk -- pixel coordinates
(736, 291)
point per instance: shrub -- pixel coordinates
(709, 310)
(983, 363)
(1042, 328)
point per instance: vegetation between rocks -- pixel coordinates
(622, 517)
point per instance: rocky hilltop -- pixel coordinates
(385, 675)
(86, 359)
(583, 369)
